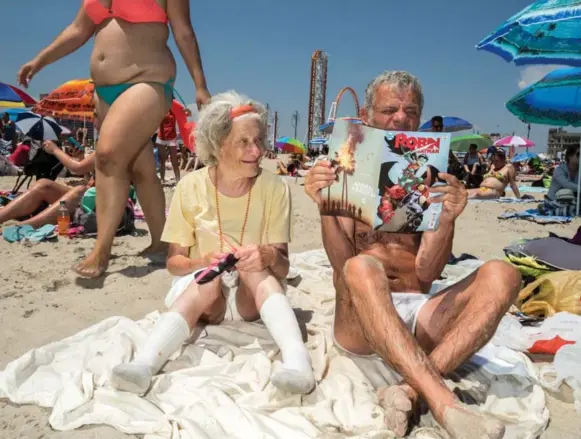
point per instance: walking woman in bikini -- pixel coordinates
(134, 73)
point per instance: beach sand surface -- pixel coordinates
(42, 301)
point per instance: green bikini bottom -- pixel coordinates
(110, 93)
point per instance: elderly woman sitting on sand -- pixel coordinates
(233, 207)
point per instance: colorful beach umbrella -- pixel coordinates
(290, 145)
(514, 141)
(38, 127)
(13, 97)
(462, 143)
(545, 32)
(524, 157)
(554, 100)
(451, 124)
(72, 100)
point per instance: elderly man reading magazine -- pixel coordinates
(382, 281)
(231, 206)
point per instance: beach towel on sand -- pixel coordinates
(219, 387)
(534, 216)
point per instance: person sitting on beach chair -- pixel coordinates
(382, 281)
(229, 208)
(561, 199)
(495, 181)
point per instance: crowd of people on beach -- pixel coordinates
(229, 223)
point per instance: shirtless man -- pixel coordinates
(501, 174)
(382, 279)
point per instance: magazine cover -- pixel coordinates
(383, 177)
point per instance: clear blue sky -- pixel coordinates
(263, 48)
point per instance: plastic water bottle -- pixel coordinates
(63, 219)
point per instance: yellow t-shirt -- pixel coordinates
(193, 212)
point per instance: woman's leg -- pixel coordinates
(162, 154)
(173, 156)
(149, 193)
(49, 215)
(197, 303)
(260, 294)
(43, 191)
(125, 130)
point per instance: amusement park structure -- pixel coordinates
(334, 105)
(318, 93)
(317, 97)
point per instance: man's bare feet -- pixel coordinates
(462, 422)
(92, 267)
(399, 403)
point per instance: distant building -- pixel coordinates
(559, 139)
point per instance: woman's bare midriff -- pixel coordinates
(131, 52)
(493, 183)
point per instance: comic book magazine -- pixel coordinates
(383, 177)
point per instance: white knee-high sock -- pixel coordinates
(169, 333)
(279, 318)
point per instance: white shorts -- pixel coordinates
(230, 283)
(408, 307)
(161, 142)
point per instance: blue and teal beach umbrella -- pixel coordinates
(545, 32)
(554, 100)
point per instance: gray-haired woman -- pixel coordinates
(230, 206)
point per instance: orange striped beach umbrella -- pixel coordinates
(72, 100)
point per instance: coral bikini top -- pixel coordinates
(132, 11)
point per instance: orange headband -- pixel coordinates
(241, 110)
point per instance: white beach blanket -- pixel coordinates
(219, 387)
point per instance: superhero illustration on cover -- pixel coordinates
(384, 177)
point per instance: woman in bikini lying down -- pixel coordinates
(501, 174)
(134, 72)
(39, 205)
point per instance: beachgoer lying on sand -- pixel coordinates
(39, 205)
(230, 200)
(500, 175)
(382, 280)
(134, 73)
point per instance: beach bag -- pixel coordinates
(87, 218)
(552, 293)
(40, 164)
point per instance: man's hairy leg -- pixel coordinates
(456, 324)
(474, 309)
(386, 333)
(368, 288)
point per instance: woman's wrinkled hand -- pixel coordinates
(254, 258)
(212, 258)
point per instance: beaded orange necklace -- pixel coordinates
(220, 233)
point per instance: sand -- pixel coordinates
(41, 300)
